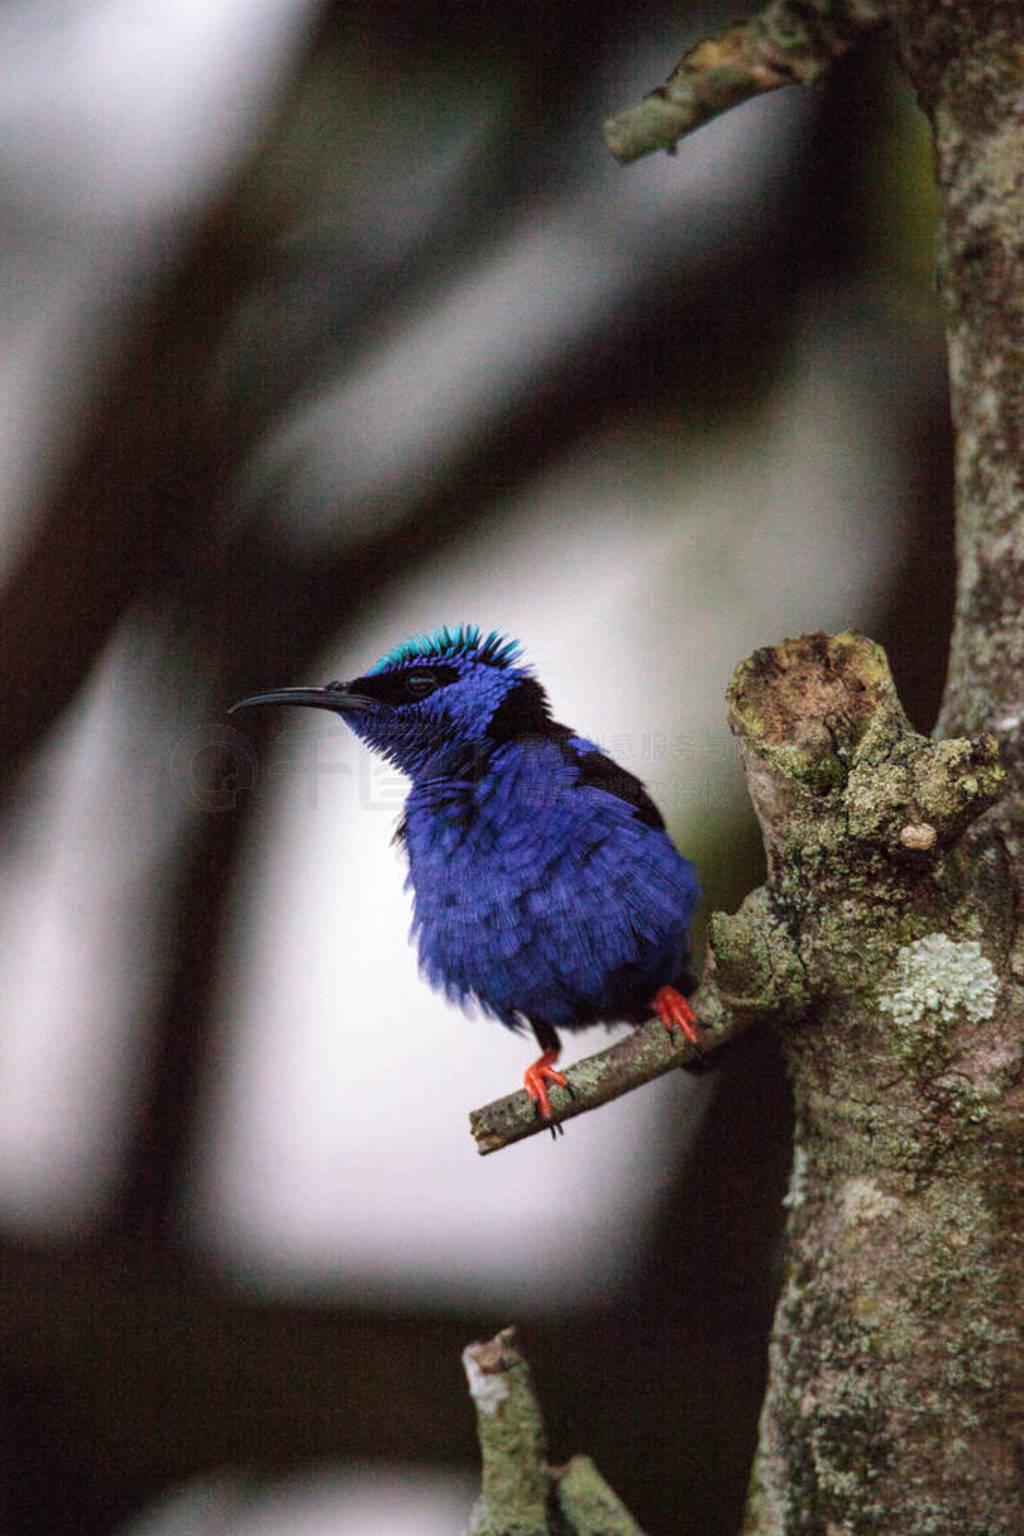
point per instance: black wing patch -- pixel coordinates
(522, 712)
(596, 771)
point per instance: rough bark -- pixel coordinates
(965, 60)
(896, 1396)
(896, 1389)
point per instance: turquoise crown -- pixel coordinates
(450, 642)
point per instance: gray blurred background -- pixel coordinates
(323, 325)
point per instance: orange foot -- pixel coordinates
(675, 1013)
(537, 1076)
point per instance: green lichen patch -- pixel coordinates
(863, 1202)
(954, 781)
(938, 976)
(588, 1505)
(934, 984)
(915, 796)
(755, 960)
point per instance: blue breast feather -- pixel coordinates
(544, 897)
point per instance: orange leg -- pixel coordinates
(675, 1013)
(537, 1077)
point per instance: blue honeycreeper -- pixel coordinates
(544, 884)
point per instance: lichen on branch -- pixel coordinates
(788, 43)
(521, 1494)
(893, 1341)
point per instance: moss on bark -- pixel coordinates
(895, 1381)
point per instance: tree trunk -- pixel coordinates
(895, 1367)
(896, 1393)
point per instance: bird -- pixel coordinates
(545, 887)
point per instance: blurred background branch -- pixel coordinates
(785, 44)
(521, 1494)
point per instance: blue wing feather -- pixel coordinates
(543, 893)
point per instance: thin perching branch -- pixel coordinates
(750, 973)
(788, 43)
(638, 1058)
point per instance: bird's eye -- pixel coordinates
(419, 684)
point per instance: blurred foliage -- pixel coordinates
(896, 206)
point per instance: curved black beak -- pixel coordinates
(335, 696)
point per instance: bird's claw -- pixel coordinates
(675, 1013)
(536, 1078)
